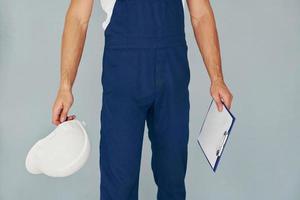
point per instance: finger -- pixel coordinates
(71, 117)
(55, 114)
(64, 113)
(227, 100)
(229, 103)
(218, 102)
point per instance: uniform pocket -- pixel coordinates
(118, 70)
(106, 73)
(183, 62)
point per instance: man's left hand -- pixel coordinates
(220, 92)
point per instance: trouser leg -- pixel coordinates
(120, 149)
(126, 89)
(168, 124)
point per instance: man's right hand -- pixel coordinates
(61, 107)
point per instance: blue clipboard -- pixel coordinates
(214, 133)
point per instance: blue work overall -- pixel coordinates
(145, 79)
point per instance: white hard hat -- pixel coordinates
(61, 153)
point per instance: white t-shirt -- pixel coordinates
(108, 6)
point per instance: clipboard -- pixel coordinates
(214, 133)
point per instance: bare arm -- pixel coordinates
(73, 39)
(206, 35)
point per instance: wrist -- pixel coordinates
(65, 87)
(217, 79)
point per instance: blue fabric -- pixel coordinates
(145, 79)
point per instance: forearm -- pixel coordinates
(73, 40)
(206, 35)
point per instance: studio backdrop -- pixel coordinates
(260, 43)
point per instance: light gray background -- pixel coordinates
(260, 43)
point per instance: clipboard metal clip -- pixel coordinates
(221, 147)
